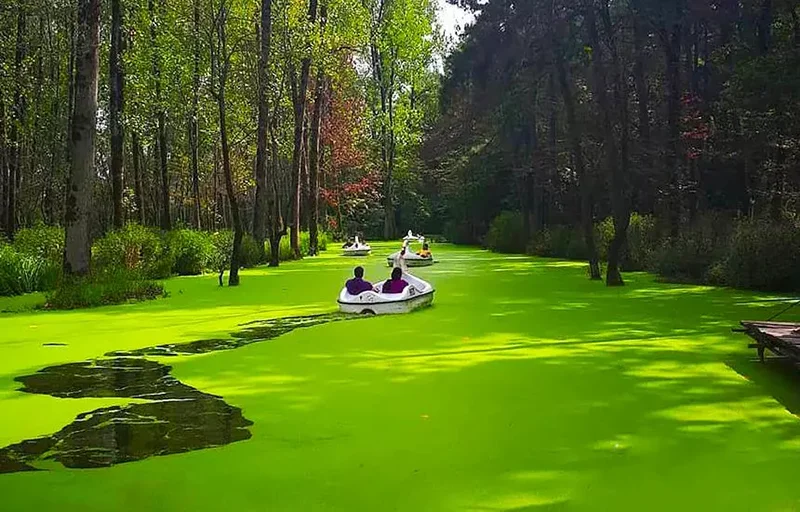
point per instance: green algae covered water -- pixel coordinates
(525, 387)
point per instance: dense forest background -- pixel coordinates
(569, 116)
(635, 134)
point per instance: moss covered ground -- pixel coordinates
(525, 387)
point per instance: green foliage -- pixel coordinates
(134, 248)
(113, 287)
(690, 255)
(46, 242)
(507, 233)
(285, 253)
(251, 255)
(558, 242)
(761, 255)
(222, 242)
(23, 273)
(193, 251)
(643, 239)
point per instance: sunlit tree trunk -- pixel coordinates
(300, 95)
(314, 158)
(161, 119)
(17, 124)
(262, 192)
(77, 247)
(116, 88)
(138, 193)
(221, 63)
(194, 131)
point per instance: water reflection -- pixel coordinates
(179, 418)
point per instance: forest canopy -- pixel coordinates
(641, 133)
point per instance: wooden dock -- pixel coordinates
(781, 338)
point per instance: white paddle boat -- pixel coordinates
(418, 294)
(410, 258)
(357, 249)
(411, 237)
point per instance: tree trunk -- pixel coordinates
(17, 125)
(138, 193)
(260, 206)
(77, 247)
(220, 67)
(233, 276)
(314, 165)
(673, 78)
(194, 131)
(304, 198)
(585, 181)
(299, 97)
(116, 88)
(615, 169)
(277, 223)
(3, 166)
(166, 220)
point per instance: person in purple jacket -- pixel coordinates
(357, 285)
(396, 284)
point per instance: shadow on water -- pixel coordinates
(176, 417)
(779, 377)
(254, 332)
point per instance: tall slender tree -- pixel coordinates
(116, 105)
(262, 192)
(77, 247)
(161, 115)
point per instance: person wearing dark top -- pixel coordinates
(357, 285)
(396, 284)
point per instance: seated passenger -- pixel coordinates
(396, 284)
(357, 285)
(425, 252)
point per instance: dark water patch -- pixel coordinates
(176, 419)
(253, 332)
(107, 378)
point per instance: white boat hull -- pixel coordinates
(418, 294)
(356, 252)
(411, 260)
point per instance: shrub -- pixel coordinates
(223, 245)
(761, 255)
(22, 273)
(251, 255)
(134, 248)
(193, 251)
(114, 287)
(691, 255)
(558, 242)
(285, 253)
(46, 242)
(322, 241)
(507, 233)
(222, 242)
(643, 240)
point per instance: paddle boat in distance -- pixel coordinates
(411, 237)
(418, 294)
(357, 249)
(411, 258)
